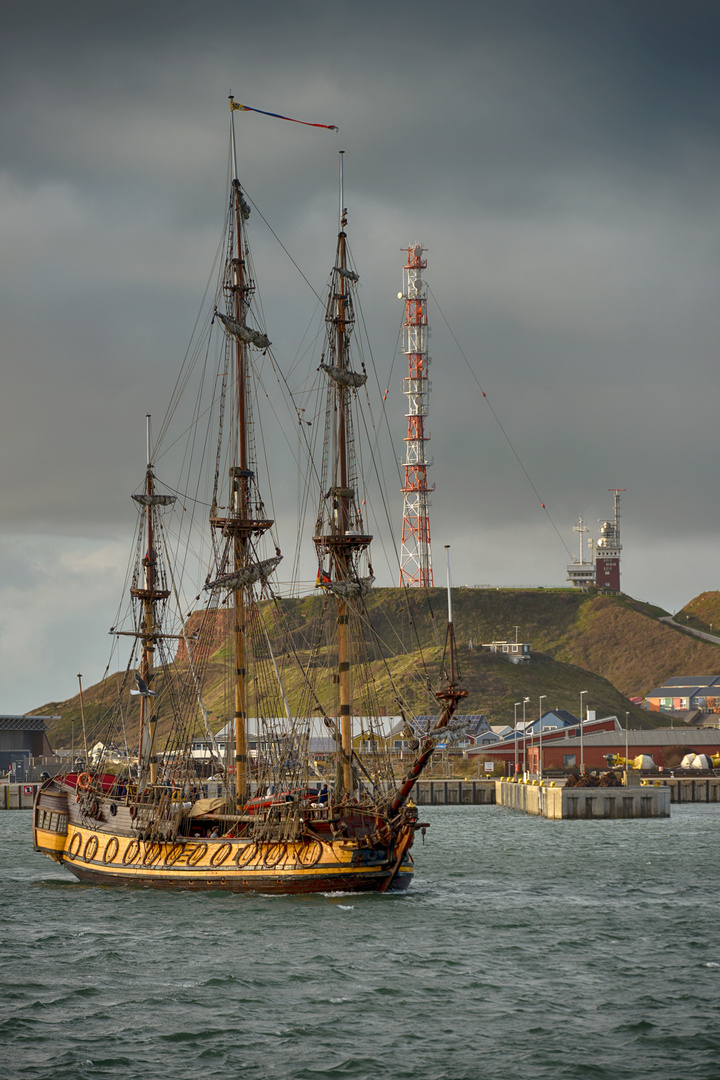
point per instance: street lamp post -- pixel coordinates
(517, 705)
(542, 698)
(627, 724)
(582, 743)
(524, 762)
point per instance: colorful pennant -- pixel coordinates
(247, 108)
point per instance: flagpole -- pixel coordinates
(232, 136)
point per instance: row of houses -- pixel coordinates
(471, 733)
(392, 733)
(564, 750)
(686, 693)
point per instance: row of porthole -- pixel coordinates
(308, 855)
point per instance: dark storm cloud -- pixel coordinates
(559, 160)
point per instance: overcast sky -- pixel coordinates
(558, 160)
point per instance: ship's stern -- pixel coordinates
(51, 816)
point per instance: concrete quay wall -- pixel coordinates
(482, 792)
(454, 792)
(700, 789)
(469, 793)
(425, 793)
(17, 796)
(560, 802)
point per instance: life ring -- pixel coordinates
(309, 853)
(107, 856)
(84, 781)
(274, 854)
(196, 854)
(95, 810)
(74, 848)
(153, 851)
(131, 852)
(174, 854)
(221, 854)
(90, 850)
(246, 854)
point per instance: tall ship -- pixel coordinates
(287, 810)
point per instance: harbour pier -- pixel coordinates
(641, 801)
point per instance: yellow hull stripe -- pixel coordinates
(189, 860)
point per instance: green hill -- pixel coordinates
(702, 613)
(613, 647)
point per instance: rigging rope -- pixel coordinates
(499, 424)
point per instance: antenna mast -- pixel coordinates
(415, 556)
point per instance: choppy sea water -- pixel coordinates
(525, 948)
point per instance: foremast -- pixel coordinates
(149, 587)
(340, 535)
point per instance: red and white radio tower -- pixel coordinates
(415, 559)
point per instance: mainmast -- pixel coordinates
(340, 532)
(239, 478)
(342, 552)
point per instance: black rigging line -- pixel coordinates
(258, 211)
(499, 424)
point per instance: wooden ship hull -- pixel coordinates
(105, 854)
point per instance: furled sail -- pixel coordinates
(351, 274)
(248, 575)
(154, 500)
(348, 589)
(243, 333)
(451, 732)
(244, 208)
(344, 377)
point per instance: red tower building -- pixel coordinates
(607, 551)
(415, 556)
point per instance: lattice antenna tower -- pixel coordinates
(415, 555)
(616, 493)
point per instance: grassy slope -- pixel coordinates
(702, 613)
(613, 647)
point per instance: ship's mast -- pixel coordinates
(149, 590)
(341, 552)
(239, 483)
(147, 702)
(340, 532)
(239, 476)
(244, 516)
(449, 697)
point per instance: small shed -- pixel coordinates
(517, 652)
(23, 736)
